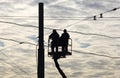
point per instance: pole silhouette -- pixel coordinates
(40, 66)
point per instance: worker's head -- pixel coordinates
(54, 31)
(64, 30)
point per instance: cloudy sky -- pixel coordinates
(96, 43)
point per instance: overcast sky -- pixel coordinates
(97, 36)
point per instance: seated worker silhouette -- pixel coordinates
(55, 40)
(64, 41)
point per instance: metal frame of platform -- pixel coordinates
(60, 54)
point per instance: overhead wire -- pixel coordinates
(19, 16)
(59, 30)
(114, 9)
(11, 64)
(14, 65)
(8, 47)
(81, 19)
(67, 26)
(21, 42)
(68, 31)
(94, 34)
(95, 54)
(49, 18)
(25, 25)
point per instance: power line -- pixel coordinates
(20, 16)
(13, 65)
(60, 30)
(94, 54)
(51, 18)
(76, 18)
(17, 41)
(112, 57)
(9, 47)
(94, 34)
(94, 17)
(101, 16)
(24, 25)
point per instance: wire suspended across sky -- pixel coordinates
(18, 41)
(101, 16)
(94, 34)
(95, 54)
(14, 65)
(26, 25)
(94, 17)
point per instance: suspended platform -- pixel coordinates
(60, 54)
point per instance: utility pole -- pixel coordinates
(40, 66)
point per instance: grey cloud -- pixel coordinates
(2, 44)
(9, 7)
(5, 6)
(114, 26)
(2, 70)
(101, 74)
(100, 5)
(76, 74)
(85, 45)
(61, 10)
(46, 2)
(101, 64)
(94, 4)
(33, 37)
(78, 2)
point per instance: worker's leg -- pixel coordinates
(56, 48)
(52, 49)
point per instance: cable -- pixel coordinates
(96, 54)
(13, 65)
(60, 30)
(17, 41)
(86, 33)
(114, 9)
(81, 19)
(50, 18)
(7, 48)
(24, 25)
(20, 16)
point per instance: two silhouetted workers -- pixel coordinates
(59, 41)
